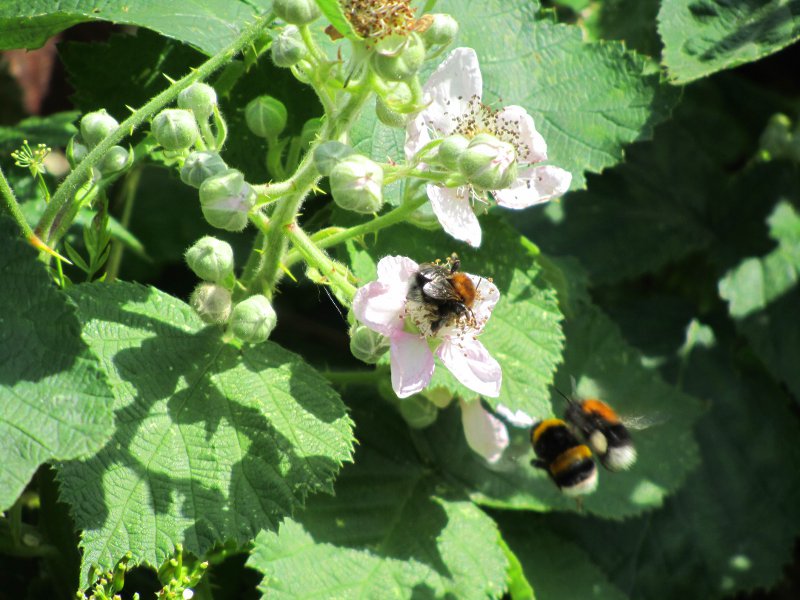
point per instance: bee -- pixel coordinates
(603, 430)
(444, 291)
(568, 462)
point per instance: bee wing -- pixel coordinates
(639, 422)
(441, 289)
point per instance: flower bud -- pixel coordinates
(199, 166)
(310, 131)
(97, 126)
(265, 116)
(387, 116)
(367, 345)
(200, 98)
(488, 163)
(75, 152)
(356, 184)
(226, 199)
(211, 259)
(417, 411)
(451, 149)
(116, 159)
(253, 319)
(175, 129)
(330, 154)
(399, 60)
(288, 48)
(296, 12)
(212, 303)
(442, 30)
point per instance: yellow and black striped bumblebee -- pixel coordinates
(568, 462)
(603, 431)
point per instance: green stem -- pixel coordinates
(316, 257)
(130, 186)
(70, 185)
(13, 207)
(393, 217)
(308, 39)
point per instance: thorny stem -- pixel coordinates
(81, 172)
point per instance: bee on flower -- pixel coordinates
(497, 152)
(431, 310)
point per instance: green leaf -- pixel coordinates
(213, 443)
(332, 9)
(587, 100)
(56, 399)
(630, 21)
(705, 36)
(605, 367)
(518, 586)
(735, 523)
(523, 334)
(54, 130)
(209, 25)
(557, 568)
(392, 530)
(763, 295)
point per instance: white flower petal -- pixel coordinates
(417, 136)
(485, 300)
(450, 88)
(451, 206)
(472, 365)
(485, 433)
(516, 118)
(534, 186)
(412, 363)
(380, 306)
(396, 270)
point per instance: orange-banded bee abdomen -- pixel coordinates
(568, 462)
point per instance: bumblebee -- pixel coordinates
(445, 292)
(568, 462)
(603, 431)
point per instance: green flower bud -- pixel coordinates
(387, 116)
(310, 131)
(451, 149)
(211, 259)
(212, 303)
(367, 345)
(76, 152)
(442, 30)
(253, 319)
(439, 396)
(488, 163)
(296, 12)
(399, 60)
(199, 166)
(356, 184)
(175, 129)
(330, 154)
(116, 159)
(97, 126)
(226, 199)
(288, 47)
(417, 411)
(200, 98)
(265, 116)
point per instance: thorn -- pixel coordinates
(168, 78)
(34, 241)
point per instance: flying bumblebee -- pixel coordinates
(603, 431)
(447, 293)
(568, 462)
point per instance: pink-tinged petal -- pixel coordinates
(534, 186)
(472, 365)
(396, 270)
(515, 118)
(518, 418)
(485, 433)
(450, 88)
(451, 206)
(380, 306)
(412, 363)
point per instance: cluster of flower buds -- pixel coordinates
(94, 128)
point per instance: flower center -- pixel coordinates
(377, 19)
